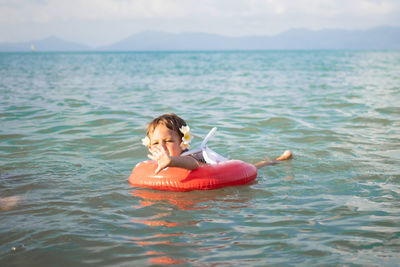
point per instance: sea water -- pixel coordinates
(71, 130)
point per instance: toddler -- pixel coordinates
(168, 137)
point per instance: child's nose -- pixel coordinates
(164, 145)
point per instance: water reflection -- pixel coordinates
(8, 203)
(175, 218)
(162, 248)
(184, 201)
(165, 260)
(195, 200)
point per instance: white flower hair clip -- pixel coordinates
(146, 141)
(187, 137)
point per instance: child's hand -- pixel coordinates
(161, 156)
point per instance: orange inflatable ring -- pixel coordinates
(227, 173)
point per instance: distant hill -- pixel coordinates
(384, 37)
(50, 44)
(377, 38)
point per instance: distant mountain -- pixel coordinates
(384, 37)
(377, 38)
(151, 40)
(49, 44)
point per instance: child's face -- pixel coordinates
(166, 138)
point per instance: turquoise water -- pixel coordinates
(71, 125)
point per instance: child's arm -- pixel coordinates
(164, 160)
(286, 155)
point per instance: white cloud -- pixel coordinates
(229, 17)
(40, 11)
(47, 11)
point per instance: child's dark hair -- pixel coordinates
(170, 120)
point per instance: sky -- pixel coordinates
(102, 22)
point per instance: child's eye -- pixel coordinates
(155, 143)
